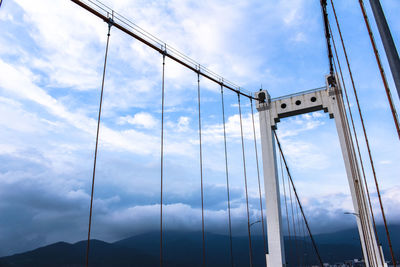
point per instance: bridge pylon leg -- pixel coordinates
(276, 251)
(371, 251)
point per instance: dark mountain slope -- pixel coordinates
(63, 254)
(185, 249)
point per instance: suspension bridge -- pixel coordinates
(332, 98)
(329, 99)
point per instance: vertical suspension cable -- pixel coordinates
(357, 143)
(294, 225)
(296, 228)
(366, 138)
(299, 237)
(245, 183)
(201, 172)
(227, 177)
(381, 70)
(305, 244)
(258, 178)
(162, 161)
(97, 142)
(284, 195)
(298, 200)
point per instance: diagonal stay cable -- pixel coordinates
(97, 142)
(245, 183)
(298, 200)
(227, 177)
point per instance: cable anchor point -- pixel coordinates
(331, 79)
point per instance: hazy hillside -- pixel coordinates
(185, 249)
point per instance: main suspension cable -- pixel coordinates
(382, 72)
(258, 178)
(366, 138)
(245, 183)
(201, 173)
(227, 177)
(120, 22)
(162, 161)
(327, 35)
(97, 142)
(298, 199)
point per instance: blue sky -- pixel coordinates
(51, 56)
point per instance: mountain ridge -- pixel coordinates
(184, 249)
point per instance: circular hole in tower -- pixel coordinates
(283, 105)
(313, 99)
(298, 102)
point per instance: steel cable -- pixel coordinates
(395, 118)
(258, 178)
(298, 200)
(227, 177)
(293, 223)
(285, 198)
(357, 144)
(355, 174)
(97, 142)
(327, 35)
(363, 213)
(299, 237)
(201, 172)
(162, 161)
(365, 136)
(245, 182)
(383, 76)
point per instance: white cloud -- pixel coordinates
(215, 132)
(141, 119)
(65, 35)
(183, 124)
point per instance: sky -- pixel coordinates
(51, 62)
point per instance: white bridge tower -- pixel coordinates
(330, 100)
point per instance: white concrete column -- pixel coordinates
(354, 176)
(276, 251)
